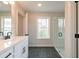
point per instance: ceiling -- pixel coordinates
(47, 6)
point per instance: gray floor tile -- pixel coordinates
(40, 52)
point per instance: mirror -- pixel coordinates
(5, 19)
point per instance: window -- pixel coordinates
(6, 24)
(43, 28)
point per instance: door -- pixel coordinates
(77, 28)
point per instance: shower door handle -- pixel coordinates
(76, 35)
(60, 34)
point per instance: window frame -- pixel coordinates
(48, 27)
(3, 27)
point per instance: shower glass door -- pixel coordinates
(60, 39)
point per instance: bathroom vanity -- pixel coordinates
(13, 41)
(16, 47)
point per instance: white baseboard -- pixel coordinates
(41, 46)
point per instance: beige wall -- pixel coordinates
(20, 25)
(16, 9)
(33, 41)
(25, 24)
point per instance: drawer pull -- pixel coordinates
(23, 50)
(8, 55)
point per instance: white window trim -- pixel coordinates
(2, 21)
(48, 27)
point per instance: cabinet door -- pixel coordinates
(7, 54)
(21, 50)
(25, 49)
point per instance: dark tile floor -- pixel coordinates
(37, 52)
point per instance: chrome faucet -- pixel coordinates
(2, 33)
(8, 35)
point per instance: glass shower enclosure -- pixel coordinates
(60, 36)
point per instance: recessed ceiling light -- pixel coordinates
(39, 5)
(12, 2)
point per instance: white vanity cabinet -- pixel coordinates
(21, 49)
(16, 48)
(7, 54)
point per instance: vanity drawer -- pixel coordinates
(21, 50)
(7, 54)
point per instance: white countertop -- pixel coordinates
(6, 44)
